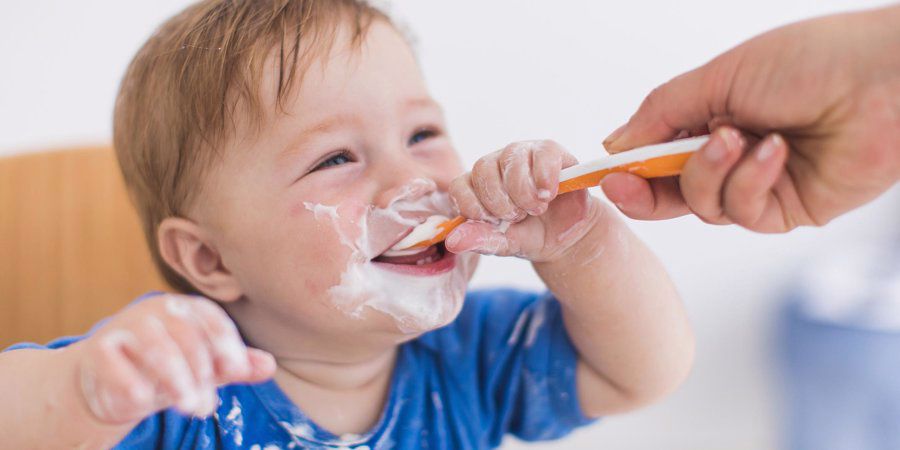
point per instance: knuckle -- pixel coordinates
(135, 392)
(508, 161)
(741, 214)
(550, 146)
(216, 317)
(480, 186)
(458, 185)
(470, 210)
(526, 198)
(482, 166)
(656, 95)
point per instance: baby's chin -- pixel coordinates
(406, 305)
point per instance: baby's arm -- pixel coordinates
(162, 352)
(619, 306)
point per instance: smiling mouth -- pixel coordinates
(430, 261)
(417, 257)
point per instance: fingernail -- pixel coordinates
(615, 135)
(717, 148)
(539, 210)
(517, 216)
(453, 239)
(544, 194)
(733, 138)
(768, 147)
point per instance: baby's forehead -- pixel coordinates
(344, 85)
(329, 77)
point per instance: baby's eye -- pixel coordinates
(421, 135)
(335, 160)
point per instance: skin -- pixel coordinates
(808, 120)
(245, 244)
(619, 306)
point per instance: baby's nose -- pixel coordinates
(408, 188)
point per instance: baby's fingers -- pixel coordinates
(182, 325)
(488, 184)
(114, 389)
(262, 366)
(463, 195)
(158, 355)
(230, 360)
(479, 237)
(519, 181)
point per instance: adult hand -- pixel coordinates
(806, 122)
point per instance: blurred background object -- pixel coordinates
(72, 249)
(840, 343)
(508, 70)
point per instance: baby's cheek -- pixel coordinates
(445, 167)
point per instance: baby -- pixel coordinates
(277, 152)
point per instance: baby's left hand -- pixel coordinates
(518, 185)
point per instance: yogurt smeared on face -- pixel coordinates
(425, 230)
(421, 289)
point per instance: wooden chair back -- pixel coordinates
(71, 247)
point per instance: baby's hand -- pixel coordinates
(517, 187)
(170, 350)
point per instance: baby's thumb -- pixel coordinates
(478, 237)
(684, 103)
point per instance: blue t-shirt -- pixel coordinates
(505, 365)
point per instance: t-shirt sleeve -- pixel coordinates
(52, 345)
(524, 361)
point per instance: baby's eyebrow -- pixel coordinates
(323, 126)
(421, 102)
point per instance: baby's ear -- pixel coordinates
(188, 250)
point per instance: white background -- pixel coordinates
(510, 70)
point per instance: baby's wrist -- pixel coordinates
(74, 358)
(600, 225)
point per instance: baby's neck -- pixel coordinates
(343, 398)
(339, 376)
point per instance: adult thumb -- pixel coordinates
(687, 102)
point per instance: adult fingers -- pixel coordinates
(703, 177)
(643, 199)
(749, 198)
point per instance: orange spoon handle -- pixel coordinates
(663, 166)
(653, 161)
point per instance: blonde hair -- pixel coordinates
(178, 99)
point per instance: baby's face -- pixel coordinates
(302, 212)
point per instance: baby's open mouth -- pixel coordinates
(417, 257)
(427, 261)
